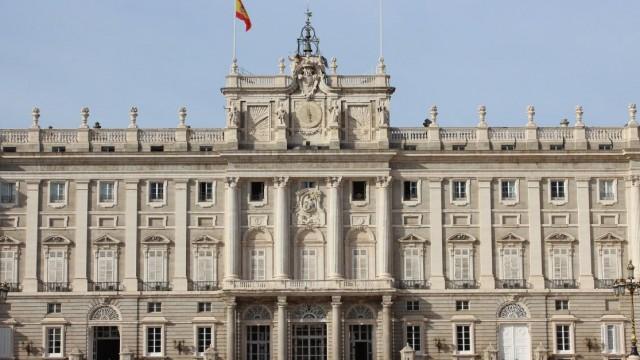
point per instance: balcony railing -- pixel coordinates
(413, 284)
(104, 286)
(55, 287)
(605, 283)
(562, 284)
(155, 286)
(346, 284)
(13, 286)
(462, 284)
(204, 286)
(511, 284)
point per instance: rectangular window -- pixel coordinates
(463, 338)
(462, 305)
(611, 338)
(511, 264)
(154, 307)
(54, 308)
(106, 265)
(204, 338)
(107, 191)
(8, 194)
(462, 264)
(10, 149)
(563, 338)
(410, 192)
(156, 191)
(605, 147)
(57, 192)
(607, 190)
(562, 305)
(358, 190)
(558, 191)
(360, 264)
(556, 147)
(157, 148)
(56, 266)
(610, 264)
(508, 190)
(561, 263)
(155, 265)
(413, 337)
(58, 149)
(308, 264)
(257, 191)
(412, 264)
(154, 341)
(459, 190)
(54, 341)
(507, 147)
(108, 149)
(205, 191)
(413, 305)
(206, 148)
(308, 184)
(6, 342)
(258, 264)
(8, 266)
(206, 265)
(204, 307)
(458, 147)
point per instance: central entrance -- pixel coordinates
(361, 342)
(258, 342)
(106, 343)
(309, 342)
(515, 342)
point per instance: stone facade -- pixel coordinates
(309, 225)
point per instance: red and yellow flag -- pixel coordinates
(242, 14)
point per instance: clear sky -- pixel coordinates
(62, 55)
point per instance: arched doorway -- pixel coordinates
(361, 321)
(257, 333)
(309, 333)
(513, 337)
(105, 333)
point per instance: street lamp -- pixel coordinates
(631, 284)
(4, 290)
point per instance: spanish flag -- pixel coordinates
(242, 14)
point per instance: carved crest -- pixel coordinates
(309, 211)
(309, 73)
(257, 312)
(512, 311)
(360, 312)
(309, 312)
(105, 313)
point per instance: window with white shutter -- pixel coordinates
(561, 264)
(462, 264)
(258, 264)
(206, 265)
(106, 265)
(511, 264)
(611, 336)
(360, 264)
(156, 259)
(8, 266)
(6, 342)
(412, 264)
(308, 264)
(56, 269)
(610, 267)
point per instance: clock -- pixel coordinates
(309, 114)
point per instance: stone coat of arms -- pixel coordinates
(309, 211)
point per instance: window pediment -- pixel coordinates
(56, 240)
(461, 238)
(206, 240)
(412, 239)
(609, 238)
(361, 235)
(512, 239)
(9, 241)
(258, 235)
(106, 240)
(156, 240)
(560, 238)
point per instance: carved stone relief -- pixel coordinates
(309, 211)
(257, 123)
(359, 123)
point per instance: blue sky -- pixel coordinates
(159, 55)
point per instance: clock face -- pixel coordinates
(309, 114)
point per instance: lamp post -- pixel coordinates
(619, 287)
(4, 290)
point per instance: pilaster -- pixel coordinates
(384, 251)
(131, 236)
(336, 326)
(81, 238)
(83, 140)
(231, 230)
(335, 262)
(182, 252)
(282, 328)
(387, 340)
(487, 279)
(435, 221)
(31, 238)
(536, 273)
(282, 249)
(584, 234)
(633, 217)
(231, 328)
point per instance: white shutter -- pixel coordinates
(55, 267)
(257, 264)
(205, 265)
(462, 264)
(609, 263)
(7, 267)
(155, 265)
(308, 264)
(106, 266)
(6, 342)
(360, 264)
(561, 264)
(511, 264)
(412, 264)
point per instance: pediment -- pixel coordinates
(56, 240)
(206, 240)
(106, 240)
(461, 237)
(512, 238)
(609, 237)
(412, 238)
(156, 239)
(6, 240)
(560, 237)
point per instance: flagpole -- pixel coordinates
(380, 28)
(234, 58)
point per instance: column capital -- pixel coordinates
(231, 182)
(336, 300)
(387, 301)
(333, 181)
(583, 179)
(280, 181)
(435, 183)
(33, 184)
(181, 182)
(533, 182)
(633, 179)
(282, 301)
(231, 302)
(383, 181)
(485, 181)
(131, 184)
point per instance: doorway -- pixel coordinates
(258, 342)
(106, 343)
(515, 343)
(310, 342)
(361, 342)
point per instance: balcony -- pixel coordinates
(346, 284)
(562, 284)
(155, 286)
(413, 284)
(462, 284)
(13, 286)
(104, 286)
(55, 287)
(203, 286)
(511, 284)
(605, 283)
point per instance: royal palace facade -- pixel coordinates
(309, 228)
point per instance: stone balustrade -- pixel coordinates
(14, 136)
(283, 81)
(340, 284)
(507, 134)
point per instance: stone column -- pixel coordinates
(536, 272)
(81, 241)
(335, 247)
(282, 248)
(584, 234)
(182, 252)
(231, 230)
(282, 328)
(336, 327)
(231, 328)
(435, 222)
(487, 280)
(386, 328)
(131, 236)
(31, 237)
(384, 250)
(633, 217)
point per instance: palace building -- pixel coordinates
(309, 228)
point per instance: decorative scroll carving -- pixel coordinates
(360, 312)
(258, 128)
(359, 124)
(308, 72)
(462, 237)
(257, 312)
(309, 312)
(309, 209)
(383, 181)
(512, 311)
(105, 313)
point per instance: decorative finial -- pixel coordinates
(281, 66)
(133, 115)
(434, 116)
(564, 122)
(84, 114)
(234, 66)
(308, 42)
(531, 114)
(632, 115)
(381, 68)
(482, 115)
(334, 66)
(182, 115)
(35, 118)
(579, 113)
